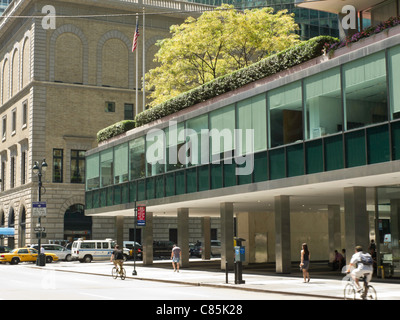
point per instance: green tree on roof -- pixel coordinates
(217, 43)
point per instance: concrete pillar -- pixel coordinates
(282, 234)
(183, 235)
(206, 225)
(119, 227)
(334, 234)
(395, 229)
(226, 212)
(356, 219)
(147, 237)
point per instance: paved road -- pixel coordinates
(26, 282)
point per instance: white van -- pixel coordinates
(88, 250)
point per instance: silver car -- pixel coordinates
(61, 252)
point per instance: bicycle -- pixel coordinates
(115, 273)
(351, 293)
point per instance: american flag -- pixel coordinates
(135, 37)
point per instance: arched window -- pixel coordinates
(22, 228)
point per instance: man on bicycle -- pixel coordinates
(118, 258)
(361, 270)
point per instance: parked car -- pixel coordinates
(4, 249)
(162, 249)
(130, 245)
(25, 255)
(61, 252)
(215, 248)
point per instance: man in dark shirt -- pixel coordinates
(118, 258)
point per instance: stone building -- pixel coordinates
(59, 85)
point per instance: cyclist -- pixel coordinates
(361, 269)
(118, 258)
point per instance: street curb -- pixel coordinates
(204, 284)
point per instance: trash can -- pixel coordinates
(41, 260)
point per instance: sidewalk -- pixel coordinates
(207, 273)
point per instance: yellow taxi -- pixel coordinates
(25, 255)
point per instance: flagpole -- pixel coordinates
(137, 75)
(144, 63)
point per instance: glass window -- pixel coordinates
(252, 114)
(110, 106)
(365, 91)
(394, 81)
(323, 104)
(196, 142)
(128, 111)
(106, 167)
(58, 165)
(77, 166)
(222, 132)
(121, 163)
(175, 141)
(137, 158)
(285, 114)
(93, 173)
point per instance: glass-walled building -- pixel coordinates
(325, 156)
(3, 5)
(312, 23)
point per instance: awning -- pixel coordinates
(335, 6)
(9, 232)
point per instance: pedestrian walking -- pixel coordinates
(176, 256)
(305, 262)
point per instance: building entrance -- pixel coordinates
(76, 224)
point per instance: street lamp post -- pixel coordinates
(39, 169)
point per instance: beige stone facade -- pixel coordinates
(58, 88)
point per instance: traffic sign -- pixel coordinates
(39, 229)
(39, 209)
(141, 216)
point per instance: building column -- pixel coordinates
(356, 219)
(147, 238)
(226, 212)
(395, 231)
(183, 235)
(282, 234)
(334, 234)
(119, 226)
(206, 225)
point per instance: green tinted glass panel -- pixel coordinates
(180, 182)
(170, 184)
(110, 196)
(160, 186)
(260, 167)
(204, 178)
(355, 148)
(314, 156)
(295, 160)
(89, 200)
(230, 174)
(277, 164)
(96, 199)
(394, 81)
(132, 191)
(396, 140)
(117, 194)
(216, 176)
(125, 193)
(334, 152)
(191, 180)
(378, 144)
(141, 190)
(150, 185)
(103, 197)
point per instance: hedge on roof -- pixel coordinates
(115, 130)
(278, 62)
